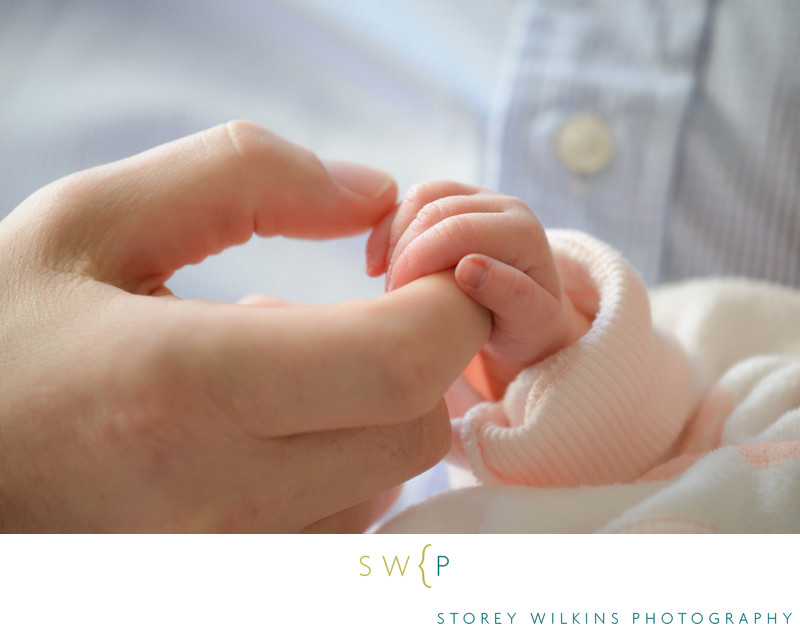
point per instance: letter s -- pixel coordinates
(369, 570)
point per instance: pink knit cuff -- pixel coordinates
(606, 409)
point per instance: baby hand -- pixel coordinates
(502, 260)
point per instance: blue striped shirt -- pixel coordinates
(703, 102)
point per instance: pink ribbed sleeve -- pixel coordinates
(606, 409)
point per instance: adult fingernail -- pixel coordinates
(360, 179)
(473, 272)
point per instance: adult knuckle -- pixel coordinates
(241, 139)
(257, 150)
(254, 145)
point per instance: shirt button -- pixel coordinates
(585, 145)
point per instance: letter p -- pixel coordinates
(440, 565)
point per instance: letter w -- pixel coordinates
(396, 561)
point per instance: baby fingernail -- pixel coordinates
(473, 273)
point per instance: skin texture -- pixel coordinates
(502, 260)
(125, 408)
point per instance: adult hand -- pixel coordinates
(125, 408)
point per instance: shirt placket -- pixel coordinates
(587, 123)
